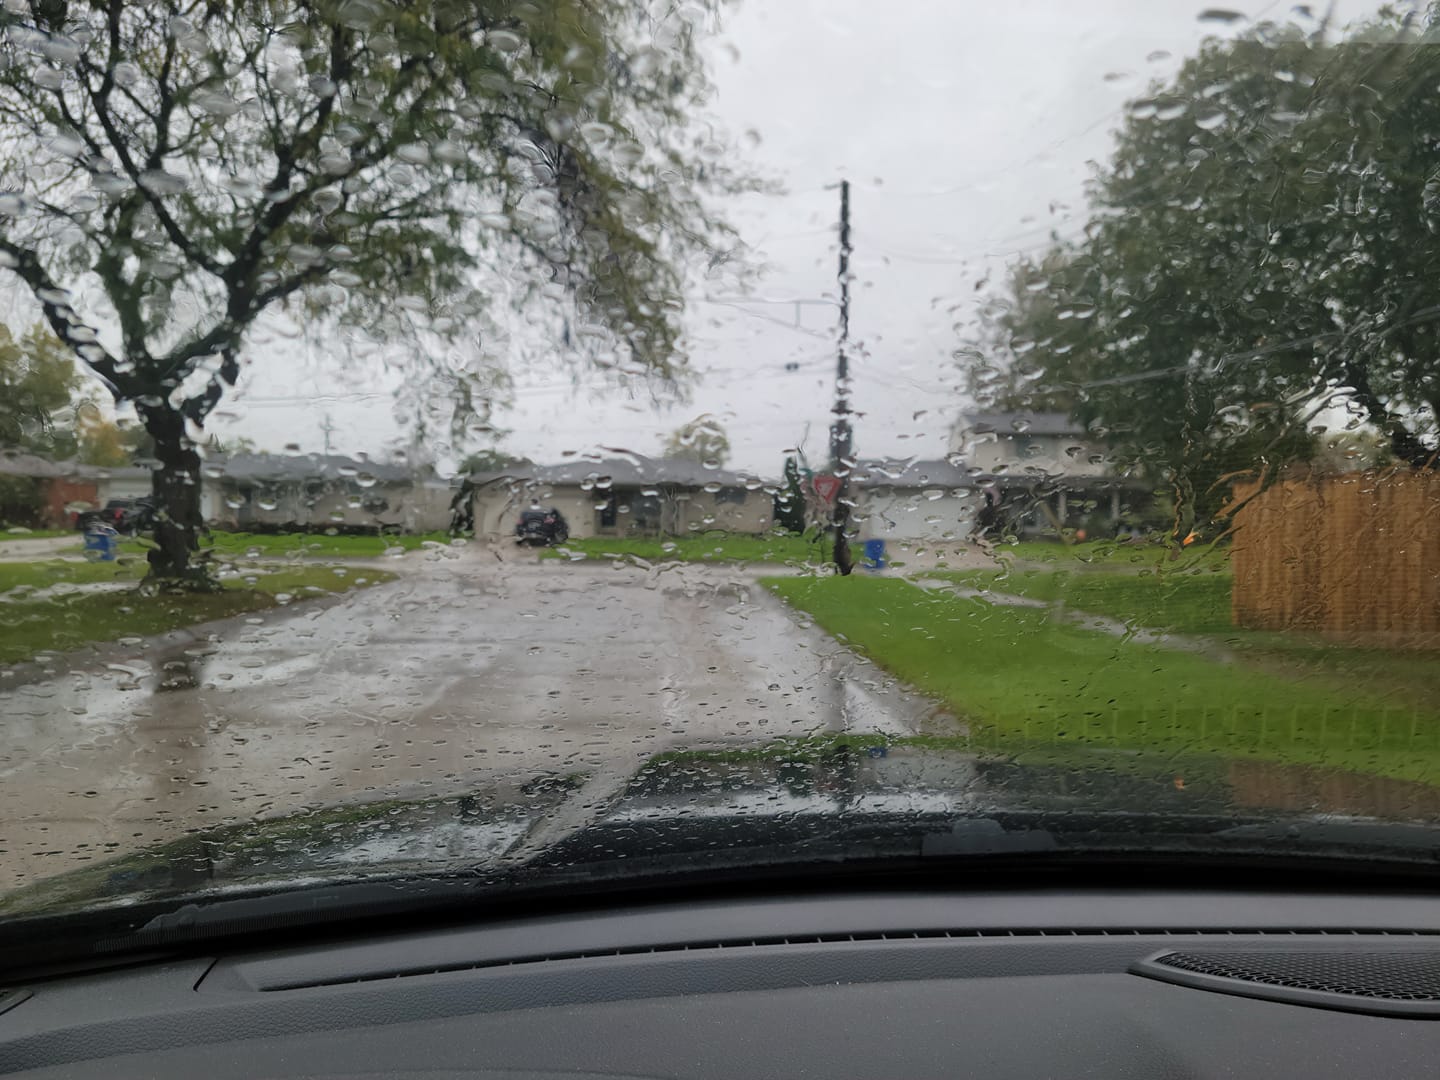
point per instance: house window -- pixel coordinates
(731, 495)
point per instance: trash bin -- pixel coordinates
(874, 558)
(101, 543)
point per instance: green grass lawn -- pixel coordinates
(711, 547)
(316, 544)
(1197, 604)
(69, 622)
(1024, 680)
(1194, 602)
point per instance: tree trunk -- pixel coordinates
(175, 485)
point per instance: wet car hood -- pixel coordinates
(791, 804)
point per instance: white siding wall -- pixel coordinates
(496, 509)
(907, 514)
(1015, 452)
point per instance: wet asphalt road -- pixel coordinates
(465, 671)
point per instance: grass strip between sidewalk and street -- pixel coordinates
(240, 545)
(21, 533)
(1187, 603)
(1021, 678)
(709, 547)
(1118, 555)
(64, 623)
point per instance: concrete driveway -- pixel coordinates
(466, 670)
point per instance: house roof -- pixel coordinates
(278, 468)
(913, 473)
(1028, 423)
(632, 470)
(20, 463)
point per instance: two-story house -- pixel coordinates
(1046, 472)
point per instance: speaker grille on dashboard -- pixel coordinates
(1391, 982)
(1395, 976)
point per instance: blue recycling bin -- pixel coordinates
(101, 543)
(874, 558)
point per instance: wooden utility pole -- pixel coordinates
(841, 444)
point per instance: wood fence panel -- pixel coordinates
(1354, 556)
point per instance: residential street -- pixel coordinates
(464, 671)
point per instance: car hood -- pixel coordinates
(790, 803)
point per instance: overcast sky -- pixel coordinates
(966, 129)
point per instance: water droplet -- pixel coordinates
(504, 40)
(215, 103)
(160, 182)
(1209, 119)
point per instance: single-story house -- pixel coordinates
(316, 491)
(62, 488)
(950, 501)
(632, 495)
(37, 492)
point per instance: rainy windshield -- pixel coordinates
(465, 434)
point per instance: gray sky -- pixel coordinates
(966, 129)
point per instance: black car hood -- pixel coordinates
(797, 804)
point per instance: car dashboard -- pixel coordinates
(865, 984)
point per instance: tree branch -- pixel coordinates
(118, 143)
(58, 313)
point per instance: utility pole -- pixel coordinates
(840, 436)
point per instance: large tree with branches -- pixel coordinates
(1264, 245)
(174, 168)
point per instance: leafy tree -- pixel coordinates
(175, 169)
(1264, 242)
(702, 439)
(38, 379)
(101, 442)
(22, 498)
(790, 499)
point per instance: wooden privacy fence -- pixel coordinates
(1354, 556)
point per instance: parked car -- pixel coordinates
(541, 528)
(128, 516)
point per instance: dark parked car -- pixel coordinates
(127, 516)
(541, 528)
